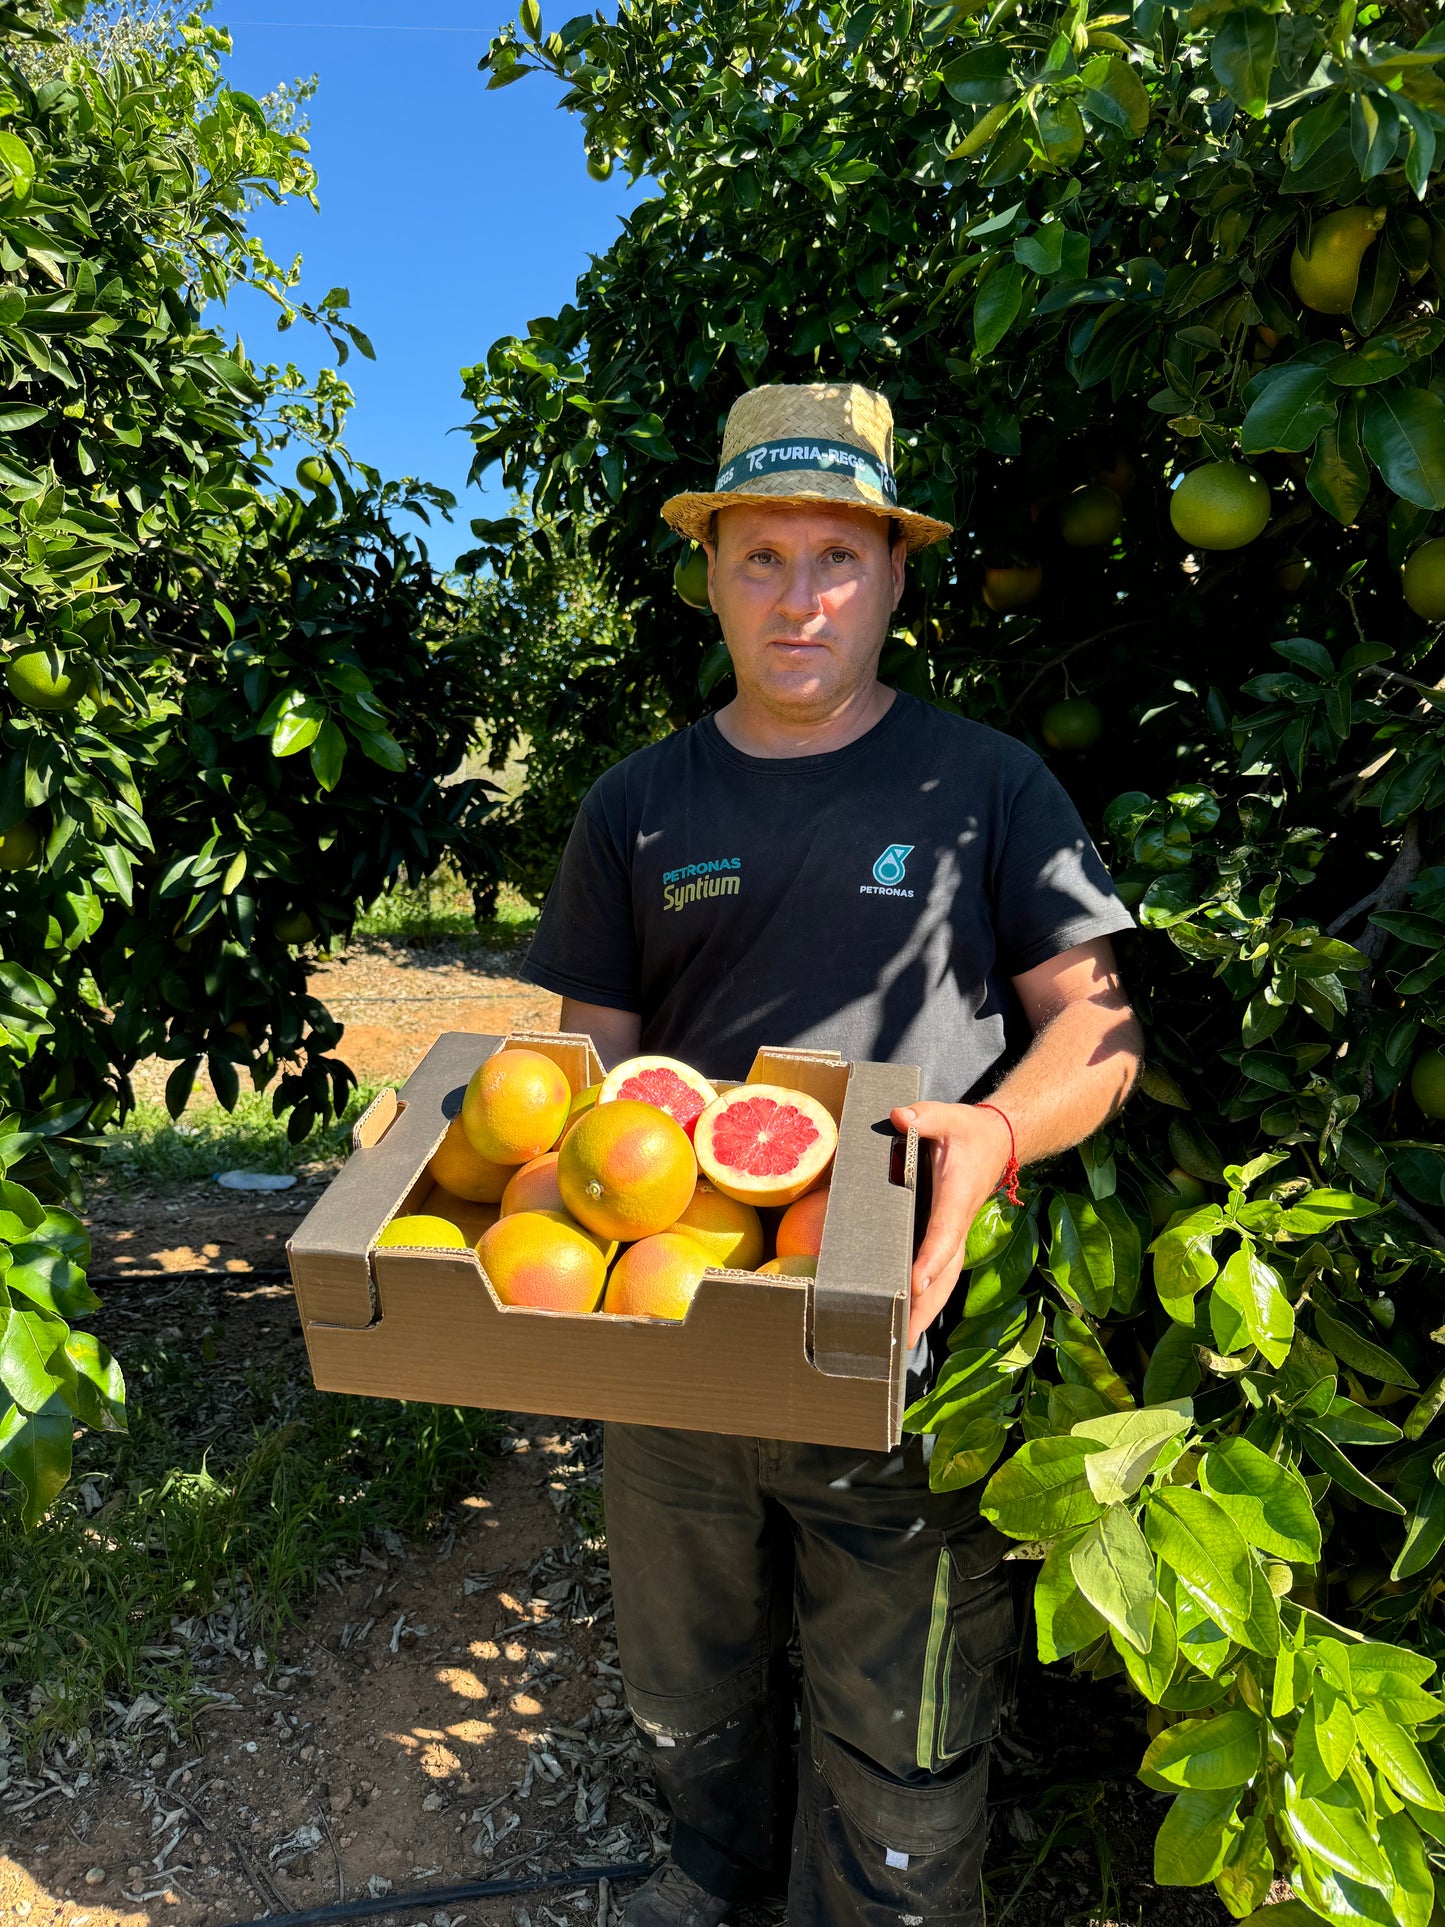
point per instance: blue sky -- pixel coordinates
(452, 214)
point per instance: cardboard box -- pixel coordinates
(793, 1358)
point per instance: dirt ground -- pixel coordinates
(449, 1712)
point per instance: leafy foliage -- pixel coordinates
(227, 707)
(1106, 251)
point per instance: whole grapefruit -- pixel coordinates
(1091, 517)
(313, 473)
(800, 1233)
(431, 1233)
(294, 926)
(1220, 505)
(533, 1187)
(1179, 1192)
(460, 1168)
(1010, 587)
(580, 1105)
(656, 1277)
(19, 847)
(1427, 1082)
(515, 1106)
(672, 1086)
(1074, 723)
(765, 1144)
(730, 1233)
(626, 1170)
(1423, 579)
(39, 678)
(689, 578)
(536, 1258)
(797, 1266)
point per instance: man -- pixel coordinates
(911, 887)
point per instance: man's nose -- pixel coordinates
(801, 597)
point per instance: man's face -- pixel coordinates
(805, 595)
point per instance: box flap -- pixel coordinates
(860, 1296)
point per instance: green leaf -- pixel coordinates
(1243, 56)
(1115, 93)
(1330, 1459)
(1196, 1835)
(1333, 1728)
(1081, 1253)
(1064, 1620)
(997, 306)
(1413, 1901)
(1268, 1314)
(1184, 1261)
(1426, 1409)
(36, 1448)
(1114, 1571)
(1425, 1534)
(1199, 1542)
(1152, 1670)
(1404, 435)
(1318, 1210)
(1352, 1349)
(1132, 1441)
(1395, 1753)
(17, 165)
(297, 728)
(1287, 409)
(1082, 1360)
(1042, 1490)
(328, 753)
(1334, 1828)
(1173, 1370)
(1269, 1503)
(29, 1339)
(381, 748)
(1244, 1881)
(1205, 1755)
(51, 1280)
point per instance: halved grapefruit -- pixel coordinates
(671, 1086)
(764, 1144)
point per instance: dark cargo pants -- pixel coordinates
(905, 1621)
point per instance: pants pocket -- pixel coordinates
(972, 1637)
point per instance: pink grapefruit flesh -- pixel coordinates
(763, 1144)
(664, 1082)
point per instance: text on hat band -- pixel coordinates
(773, 458)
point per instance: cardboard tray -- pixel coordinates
(810, 1359)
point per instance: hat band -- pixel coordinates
(774, 458)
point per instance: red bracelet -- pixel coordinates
(1009, 1182)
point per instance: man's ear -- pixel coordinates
(898, 562)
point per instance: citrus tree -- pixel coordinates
(225, 706)
(1156, 294)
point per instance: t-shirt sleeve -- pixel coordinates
(586, 942)
(1052, 891)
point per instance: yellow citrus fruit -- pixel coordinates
(459, 1167)
(798, 1266)
(765, 1144)
(294, 926)
(581, 1104)
(1091, 517)
(730, 1232)
(533, 1187)
(1220, 505)
(689, 578)
(423, 1229)
(20, 847)
(537, 1258)
(627, 1170)
(1014, 587)
(312, 473)
(1325, 269)
(515, 1106)
(1427, 1082)
(656, 1277)
(1072, 724)
(39, 678)
(1423, 579)
(800, 1230)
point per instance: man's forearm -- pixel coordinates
(1074, 1077)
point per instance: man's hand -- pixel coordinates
(969, 1148)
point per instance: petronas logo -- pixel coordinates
(889, 869)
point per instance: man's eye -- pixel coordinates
(841, 555)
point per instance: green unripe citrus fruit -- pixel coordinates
(294, 927)
(1005, 589)
(1220, 505)
(1179, 1192)
(438, 1234)
(38, 678)
(1423, 579)
(599, 166)
(689, 578)
(1325, 269)
(1091, 517)
(312, 473)
(1427, 1082)
(19, 847)
(1072, 724)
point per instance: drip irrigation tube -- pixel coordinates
(423, 1897)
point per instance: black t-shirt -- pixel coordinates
(875, 900)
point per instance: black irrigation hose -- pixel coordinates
(421, 1897)
(258, 1275)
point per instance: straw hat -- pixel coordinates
(822, 442)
